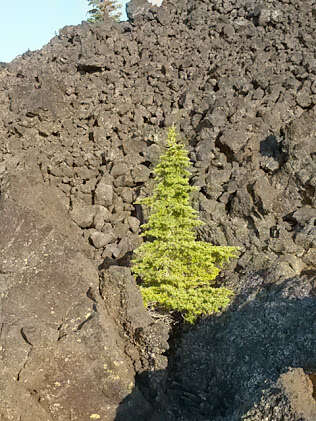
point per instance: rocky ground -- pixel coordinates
(82, 124)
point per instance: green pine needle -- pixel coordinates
(177, 270)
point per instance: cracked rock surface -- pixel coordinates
(64, 351)
(83, 122)
(252, 362)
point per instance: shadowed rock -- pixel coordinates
(250, 363)
(82, 123)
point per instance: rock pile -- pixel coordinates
(88, 113)
(239, 79)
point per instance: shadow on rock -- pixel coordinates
(253, 362)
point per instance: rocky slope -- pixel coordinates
(82, 124)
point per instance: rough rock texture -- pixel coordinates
(64, 350)
(233, 367)
(91, 107)
(85, 118)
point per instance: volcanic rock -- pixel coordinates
(83, 122)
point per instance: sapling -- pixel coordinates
(176, 270)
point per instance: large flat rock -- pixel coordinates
(61, 353)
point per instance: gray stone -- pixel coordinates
(102, 215)
(119, 169)
(140, 173)
(234, 140)
(135, 8)
(310, 258)
(113, 250)
(126, 194)
(153, 153)
(133, 223)
(264, 195)
(101, 239)
(82, 214)
(304, 98)
(304, 215)
(211, 209)
(103, 194)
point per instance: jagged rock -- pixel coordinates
(59, 346)
(82, 214)
(140, 174)
(121, 230)
(103, 194)
(136, 8)
(101, 239)
(133, 223)
(264, 195)
(241, 203)
(102, 215)
(245, 356)
(233, 140)
(292, 398)
(90, 111)
(119, 169)
(211, 207)
(305, 215)
(52, 329)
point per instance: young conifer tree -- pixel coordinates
(100, 7)
(175, 269)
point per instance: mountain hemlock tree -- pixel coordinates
(176, 270)
(101, 7)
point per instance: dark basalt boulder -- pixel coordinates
(136, 8)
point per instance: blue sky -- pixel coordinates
(30, 24)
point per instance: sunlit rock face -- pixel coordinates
(82, 123)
